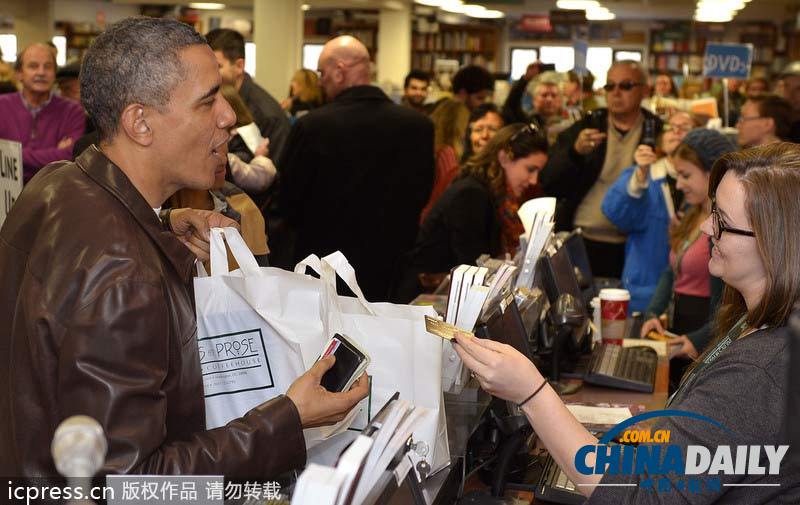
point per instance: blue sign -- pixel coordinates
(580, 47)
(728, 60)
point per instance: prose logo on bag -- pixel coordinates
(234, 362)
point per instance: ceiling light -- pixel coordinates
(460, 8)
(207, 6)
(432, 3)
(579, 5)
(599, 14)
(713, 17)
(487, 14)
(305, 7)
(722, 5)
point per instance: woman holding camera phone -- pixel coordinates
(640, 203)
(686, 284)
(740, 381)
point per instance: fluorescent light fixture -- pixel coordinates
(460, 8)
(729, 5)
(431, 3)
(487, 14)
(207, 6)
(8, 46)
(577, 5)
(60, 42)
(599, 14)
(250, 58)
(713, 17)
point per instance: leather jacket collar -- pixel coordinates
(108, 176)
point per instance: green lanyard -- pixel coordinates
(734, 334)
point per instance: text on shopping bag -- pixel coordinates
(234, 363)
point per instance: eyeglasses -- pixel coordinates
(677, 128)
(742, 119)
(719, 228)
(624, 86)
(530, 129)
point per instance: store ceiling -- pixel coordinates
(764, 10)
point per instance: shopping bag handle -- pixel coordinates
(329, 267)
(347, 273)
(241, 253)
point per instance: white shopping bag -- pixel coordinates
(404, 357)
(257, 329)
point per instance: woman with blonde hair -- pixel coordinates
(736, 393)
(477, 213)
(248, 154)
(305, 93)
(450, 121)
(687, 294)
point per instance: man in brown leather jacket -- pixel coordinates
(96, 304)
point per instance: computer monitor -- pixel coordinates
(576, 248)
(505, 324)
(558, 276)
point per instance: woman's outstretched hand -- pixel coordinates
(501, 370)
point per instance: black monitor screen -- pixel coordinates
(576, 248)
(558, 277)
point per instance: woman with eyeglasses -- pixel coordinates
(641, 204)
(740, 381)
(687, 294)
(484, 123)
(477, 213)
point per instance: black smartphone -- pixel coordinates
(351, 361)
(597, 119)
(649, 132)
(547, 67)
(675, 193)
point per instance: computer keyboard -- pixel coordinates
(614, 366)
(554, 486)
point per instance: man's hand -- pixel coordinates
(533, 70)
(587, 140)
(65, 143)
(263, 149)
(316, 405)
(192, 227)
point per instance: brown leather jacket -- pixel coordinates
(97, 318)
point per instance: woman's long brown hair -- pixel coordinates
(770, 176)
(485, 165)
(681, 232)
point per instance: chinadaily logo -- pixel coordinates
(664, 467)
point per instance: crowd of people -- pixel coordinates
(687, 218)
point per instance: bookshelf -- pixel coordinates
(79, 37)
(465, 43)
(673, 45)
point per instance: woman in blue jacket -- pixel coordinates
(640, 205)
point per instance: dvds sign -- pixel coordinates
(728, 60)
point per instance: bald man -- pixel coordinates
(356, 172)
(44, 123)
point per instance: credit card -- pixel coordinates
(332, 346)
(441, 329)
